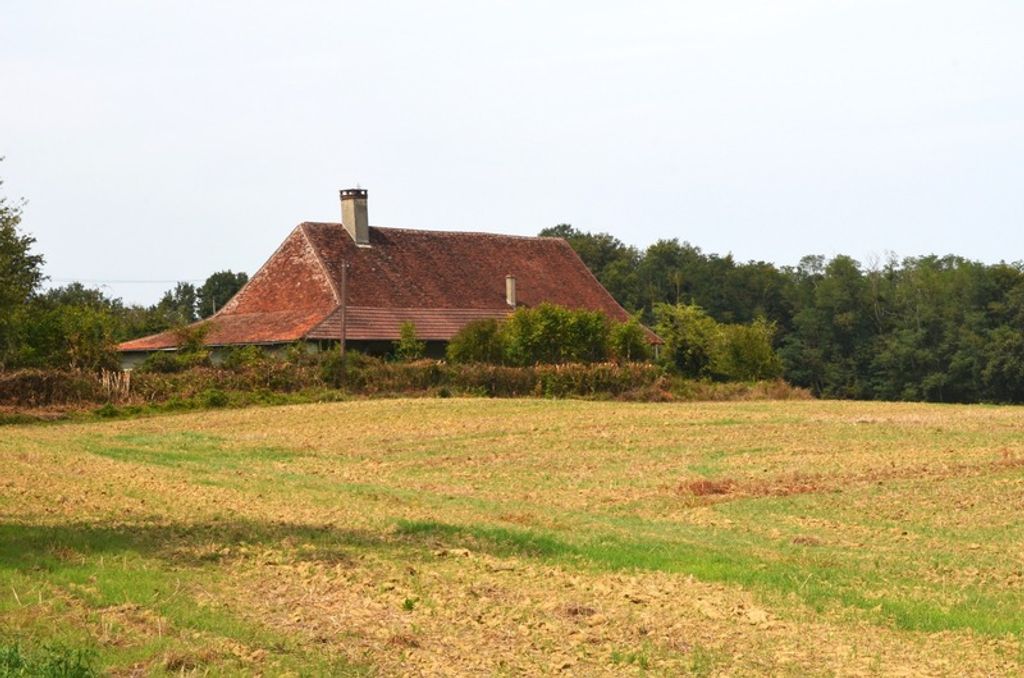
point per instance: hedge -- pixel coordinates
(272, 380)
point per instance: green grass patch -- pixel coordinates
(195, 451)
(51, 661)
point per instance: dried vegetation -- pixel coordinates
(522, 537)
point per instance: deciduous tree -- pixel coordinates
(21, 272)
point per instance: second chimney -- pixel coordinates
(510, 290)
(353, 215)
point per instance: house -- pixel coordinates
(332, 280)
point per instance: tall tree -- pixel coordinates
(218, 290)
(178, 306)
(830, 347)
(21, 272)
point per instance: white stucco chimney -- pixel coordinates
(510, 290)
(353, 215)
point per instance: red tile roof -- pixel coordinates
(227, 329)
(404, 268)
(437, 280)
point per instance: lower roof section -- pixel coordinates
(370, 323)
(272, 327)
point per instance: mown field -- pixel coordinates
(509, 537)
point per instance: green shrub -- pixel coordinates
(745, 353)
(700, 348)
(549, 334)
(332, 369)
(629, 341)
(588, 337)
(107, 411)
(244, 357)
(480, 341)
(177, 403)
(169, 362)
(299, 353)
(336, 370)
(408, 346)
(215, 398)
(689, 335)
(161, 362)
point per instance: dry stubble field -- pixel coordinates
(510, 537)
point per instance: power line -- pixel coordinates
(122, 282)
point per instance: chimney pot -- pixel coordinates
(354, 216)
(510, 290)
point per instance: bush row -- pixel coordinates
(327, 377)
(553, 381)
(358, 375)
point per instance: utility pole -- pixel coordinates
(344, 305)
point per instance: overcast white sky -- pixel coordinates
(159, 141)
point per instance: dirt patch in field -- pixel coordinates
(703, 487)
(725, 489)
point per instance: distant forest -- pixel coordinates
(943, 329)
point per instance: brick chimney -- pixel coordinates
(510, 290)
(353, 215)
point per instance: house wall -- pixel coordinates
(132, 359)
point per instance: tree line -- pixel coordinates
(944, 329)
(935, 328)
